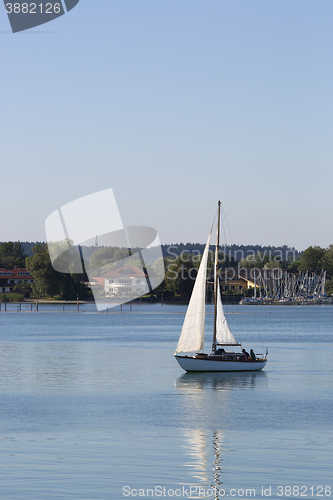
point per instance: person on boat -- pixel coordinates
(246, 354)
(252, 355)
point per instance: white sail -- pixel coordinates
(192, 335)
(224, 335)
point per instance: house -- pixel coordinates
(129, 280)
(231, 281)
(11, 277)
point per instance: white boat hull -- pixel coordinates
(192, 364)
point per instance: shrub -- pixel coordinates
(11, 297)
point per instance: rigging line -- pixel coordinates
(226, 221)
(211, 229)
(223, 227)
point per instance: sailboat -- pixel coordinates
(191, 341)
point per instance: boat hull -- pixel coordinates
(191, 364)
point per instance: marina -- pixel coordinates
(278, 286)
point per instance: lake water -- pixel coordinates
(94, 406)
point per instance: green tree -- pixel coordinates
(327, 261)
(329, 287)
(106, 255)
(158, 266)
(312, 259)
(47, 280)
(12, 254)
(180, 274)
(259, 261)
(292, 266)
(50, 283)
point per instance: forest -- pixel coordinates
(180, 263)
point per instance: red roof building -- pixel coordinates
(11, 277)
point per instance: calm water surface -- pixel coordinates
(94, 406)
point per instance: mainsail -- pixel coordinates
(224, 335)
(193, 331)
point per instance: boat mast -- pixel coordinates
(215, 274)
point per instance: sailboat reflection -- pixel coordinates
(196, 449)
(205, 400)
(204, 450)
(220, 380)
(208, 398)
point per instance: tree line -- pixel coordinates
(180, 267)
(48, 282)
(181, 271)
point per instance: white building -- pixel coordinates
(129, 280)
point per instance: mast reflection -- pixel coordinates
(217, 470)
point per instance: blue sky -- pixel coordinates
(174, 105)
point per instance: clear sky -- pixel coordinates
(174, 104)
